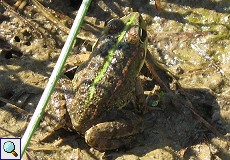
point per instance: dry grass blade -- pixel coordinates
(24, 20)
(12, 105)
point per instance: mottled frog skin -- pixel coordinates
(93, 102)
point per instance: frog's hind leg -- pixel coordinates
(116, 133)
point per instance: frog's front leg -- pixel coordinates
(120, 129)
(56, 115)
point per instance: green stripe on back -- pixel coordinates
(108, 61)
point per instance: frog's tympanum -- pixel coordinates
(93, 103)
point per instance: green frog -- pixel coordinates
(95, 102)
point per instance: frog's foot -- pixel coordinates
(114, 134)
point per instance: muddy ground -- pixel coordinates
(189, 42)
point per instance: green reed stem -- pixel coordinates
(54, 76)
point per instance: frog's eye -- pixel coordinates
(143, 35)
(114, 26)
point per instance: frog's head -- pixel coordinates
(130, 29)
(136, 27)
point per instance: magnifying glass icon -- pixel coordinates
(9, 147)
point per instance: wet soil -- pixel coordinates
(189, 43)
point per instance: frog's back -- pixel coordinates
(106, 81)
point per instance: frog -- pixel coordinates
(94, 103)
